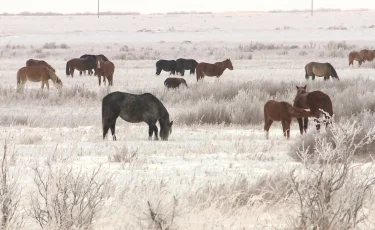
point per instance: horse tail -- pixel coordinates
(333, 71)
(306, 76)
(184, 82)
(67, 68)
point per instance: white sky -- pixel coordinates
(152, 6)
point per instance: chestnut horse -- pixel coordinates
(212, 70)
(80, 64)
(105, 69)
(33, 62)
(361, 56)
(284, 112)
(316, 101)
(37, 74)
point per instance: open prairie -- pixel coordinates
(217, 170)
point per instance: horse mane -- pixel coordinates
(52, 75)
(334, 73)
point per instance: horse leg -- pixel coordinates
(80, 73)
(267, 126)
(72, 72)
(156, 132)
(306, 123)
(300, 124)
(313, 77)
(317, 123)
(42, 85)
(288, 122)
(306, 76)
(113, 129)
(47, 84)
(99, 77)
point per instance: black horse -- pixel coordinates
(135, 108)
(185, 64)
(94, 59)
(166, 65)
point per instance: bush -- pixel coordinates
(65, 200)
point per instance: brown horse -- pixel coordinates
(361, 57)
(320, 70)
(212, 70)
(316, 101)
(80, 64)
(284, 112)
(37, 74)
(33, 62)
(105, 69)
(174, 82)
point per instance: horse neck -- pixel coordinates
(52, 75)
(223, 66)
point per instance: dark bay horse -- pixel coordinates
(135, 108)
(284, 112)
(320, 70)
(185, 64)
(33, 62)
(166, 65)
(212, 70)
(38, 74)
(174, 82)
(94, 59)
(315, 101)
(105, 69)
(80, 64)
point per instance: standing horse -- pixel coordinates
(212, 70)
(284, 112)
(315, 101)
(81, 64)
(166, 65)
(33, 62)
(105, 69)
(186, 64)
(37, 74)
(320, 70)
(93, 58)
(174, 82)
(135, 108)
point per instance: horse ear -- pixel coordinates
(305, 86)
(296, 87)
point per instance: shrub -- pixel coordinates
(49, 45)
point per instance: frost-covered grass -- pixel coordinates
(217, 171)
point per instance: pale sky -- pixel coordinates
(152, 6)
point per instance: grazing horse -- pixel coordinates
(135, 108)
(37, 74)
(167, 66)
(284, 112)
(174, 82)
(368, 55)
(105, 69)
(212, 70)
(316, 101)
(320, 70)
(355, 56)
(94, 59)
(33, 62)
(185, 64)
(81, 64)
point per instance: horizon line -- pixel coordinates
(51, 13)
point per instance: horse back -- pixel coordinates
(319, 100)
(276, 111)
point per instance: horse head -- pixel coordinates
(301, 89)
(165, 129)
(58, 84)
(229, 64)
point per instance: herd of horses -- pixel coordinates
(361, 56)
(147, 108)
